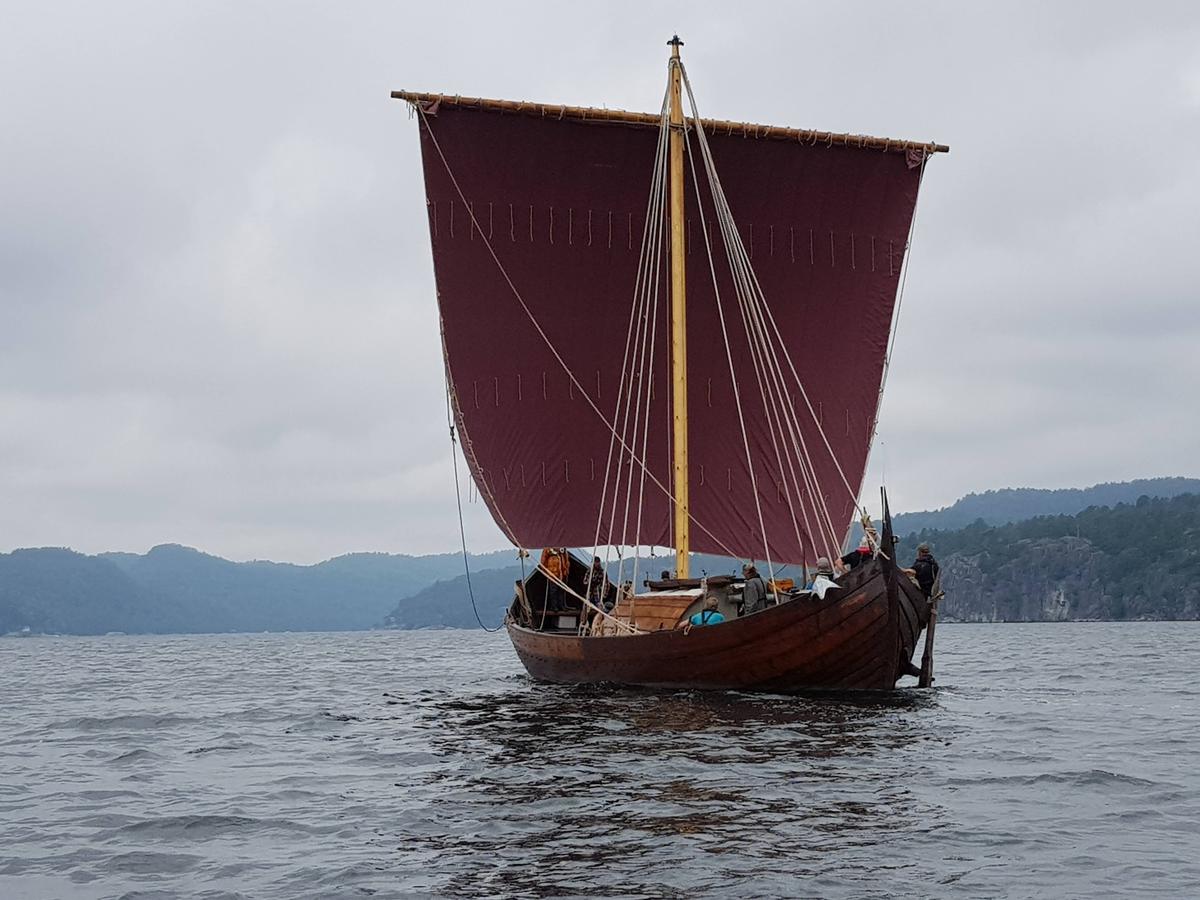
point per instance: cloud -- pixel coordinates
(216, 299)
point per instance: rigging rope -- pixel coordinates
(772, 392)
(649, 333)
(462, 531)
(758, 342)
(646, 269)
(766, 363)
(759, 298)
(546, 339)
(737, 401)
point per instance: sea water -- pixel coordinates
(1050, 760)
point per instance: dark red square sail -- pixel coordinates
(562, 203)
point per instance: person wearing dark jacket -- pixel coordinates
(924, 569)
(556, 566)
(598, 583)
(857, 557)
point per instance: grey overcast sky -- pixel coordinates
(217, 321)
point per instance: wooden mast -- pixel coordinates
(678, 320)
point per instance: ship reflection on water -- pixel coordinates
(591, 790)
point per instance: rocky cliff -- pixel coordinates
(1131, 561)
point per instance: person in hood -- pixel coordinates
(925, 569)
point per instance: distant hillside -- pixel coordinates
(447, 604)
(1131, 561)
(58, 591)
(178, 589)
(1065, 564)
(1016, 504)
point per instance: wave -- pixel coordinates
(138, 755)
(146, 862)
(201, 827)
(125, 722)
(1081, 778)
(215, 748)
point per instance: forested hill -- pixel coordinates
(178, 589)
(1130, 561)
(1017, 504)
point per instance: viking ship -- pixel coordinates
(665, 331)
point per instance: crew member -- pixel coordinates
(856, 558)
(824, 573)
(597, 582)
(710, 615)
(555, 564)
(754, 591)
(924, 569)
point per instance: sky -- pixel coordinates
(217, 321)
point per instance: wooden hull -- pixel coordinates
(859, 638)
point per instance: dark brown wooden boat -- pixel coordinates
(735, 419)
(861, 636)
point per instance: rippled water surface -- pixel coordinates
(1051, 760)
